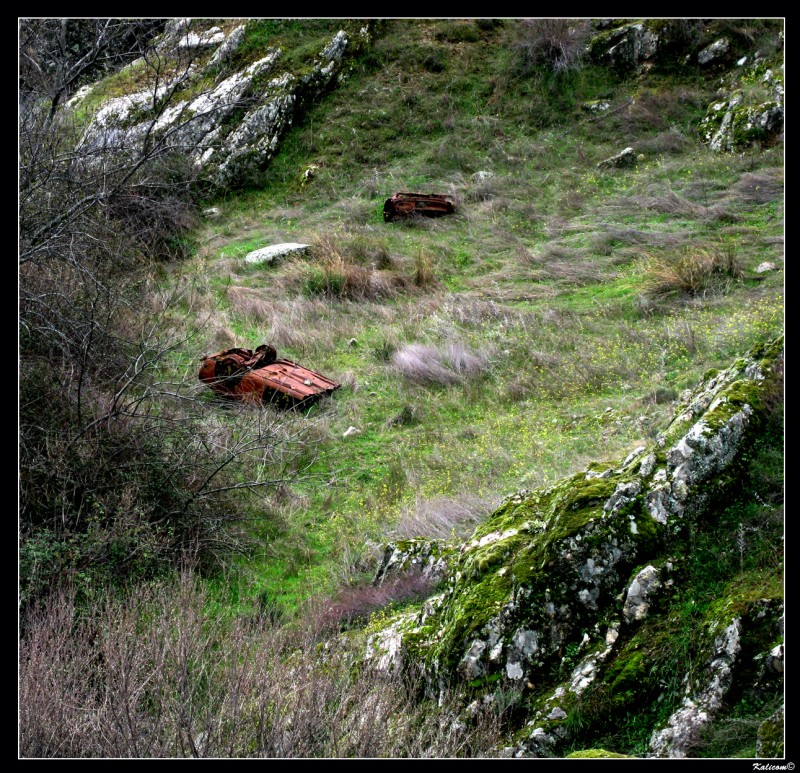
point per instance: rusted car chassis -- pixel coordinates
(262, 376)
(403, 205)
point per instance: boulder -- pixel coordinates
(624, 159)
(767, 265)
(275, 252)
(714, 53)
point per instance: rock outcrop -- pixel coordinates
(230, 129)
(579, 566)
(749, 108)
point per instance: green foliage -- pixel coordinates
(299, 38)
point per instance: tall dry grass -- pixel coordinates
(692, 271)
(156, 675)
(451, 364)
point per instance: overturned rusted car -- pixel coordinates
(403, 205)
(261, 376)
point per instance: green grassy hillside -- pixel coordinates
(585, 300)
(197, 573)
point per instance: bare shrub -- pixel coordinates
(691, 271)
(443, 517)
(553, 44)
(156, 675)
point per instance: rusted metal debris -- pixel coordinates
(261, 375)
(403, 205)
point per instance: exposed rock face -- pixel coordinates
(232, 129)
(685, 726)
(571, 565)
(430, 557)
(625, 48)
(714, 52)
(637, 600)
(750, 109)
(227, 49)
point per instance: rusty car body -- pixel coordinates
(261, 376)
(403, 205)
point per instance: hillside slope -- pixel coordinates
(617, 240)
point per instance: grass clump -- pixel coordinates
(337, 270)
(692, 271)
(433, 366)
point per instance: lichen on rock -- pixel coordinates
(770, 736)
(233, 128)
(749, 108)
(572, 564)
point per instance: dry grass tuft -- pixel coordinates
(673, 204)
(432, 366)
(354, 267)
(670, 141)
(443, 517)
(760, 187)
(692, 271)
(424, 276)
(250, 303)
(423, 365)
(358, 602)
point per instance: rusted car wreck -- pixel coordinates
(261, 376)
(403, 205)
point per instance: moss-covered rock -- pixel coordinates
(575, 567)
(749, 108)
(770, 736)
(598, 753)
(432, 558)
